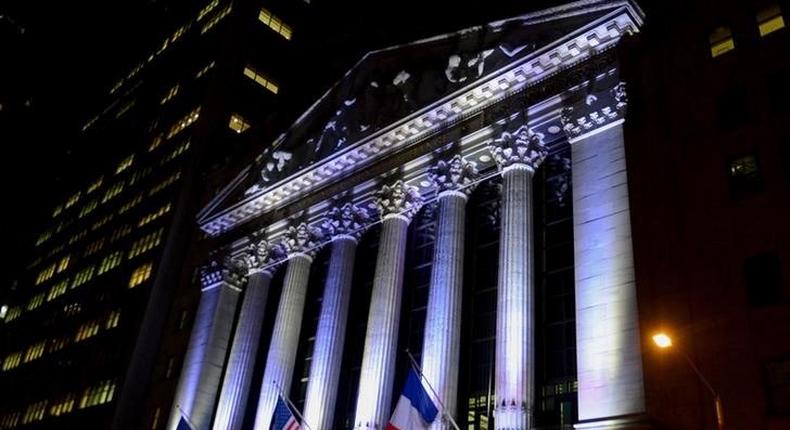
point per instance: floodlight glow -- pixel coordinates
(662, 340)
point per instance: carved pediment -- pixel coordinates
(395, 96)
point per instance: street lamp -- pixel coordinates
(664, 341)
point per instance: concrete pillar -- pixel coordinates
(238, 373)
(345, 224)
(518, 155)
(611, 392)
(397, 205)
(300, 244)
(442, 341)
(608, 354)
(205, 357)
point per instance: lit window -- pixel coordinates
(82, 277)
(110, 262)
(95, 185)
(261, 80)
(154, 215)
(87, 331)
(275, 23)
(204, 70)
(155, 143)
(238, 124)
(35, 302)
(88, 208)
(180, 149)
(216, 19)
(130, 204)
(166, 183)
(35, 412)
(72, 200)
(125, 164)
(43, 237)
(770, 19)
(112, 319)
(112, 192)
(63, 406)
(63, 264)
(721, 41)
(3, 311)
(57, 290)
(98, 394)
(172, 92)
(57, 211)
(13, 313)
(207, 8)
(93, 247)
(185, 122)
(744, 175)
(179, 32)
(140, 275)
(12, 361)
(146, 243)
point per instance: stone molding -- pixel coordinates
(232, 271)
(301, 239)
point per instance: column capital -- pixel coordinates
(260, 254)
(454, 176)
(348, 220)
(398, 200)
(301, 239)
(231, 271)
(595, 111)
(521, 149)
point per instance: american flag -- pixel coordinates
(283, 417)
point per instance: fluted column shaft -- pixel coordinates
(238, 374)
(205, 357)
(285, 338)
(328, 351)
(441, 345)
(378, 361)
(608, 350)
(515, 306)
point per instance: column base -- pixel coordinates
(623, 422)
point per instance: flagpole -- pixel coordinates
(438, 399)
(290, 403)
(184, 415)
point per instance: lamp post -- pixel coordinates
(664, 341)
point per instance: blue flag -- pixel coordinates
(183, 424)
(283, 417)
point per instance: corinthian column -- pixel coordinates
(299, 243)
(205, 357)
(517, 155)
(345, 224)
(238, 374)
(442, 341)
(609, 360)
(397, 205)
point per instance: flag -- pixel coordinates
(283, 417)
(415, 410)
(183, 424)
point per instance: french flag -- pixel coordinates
(415, 410)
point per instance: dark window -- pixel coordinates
(786, 153)
(777, 386)
(779, 91)
(744, 175)
(763, 279)
(732, 108)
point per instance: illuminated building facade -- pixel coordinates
(463, 197)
